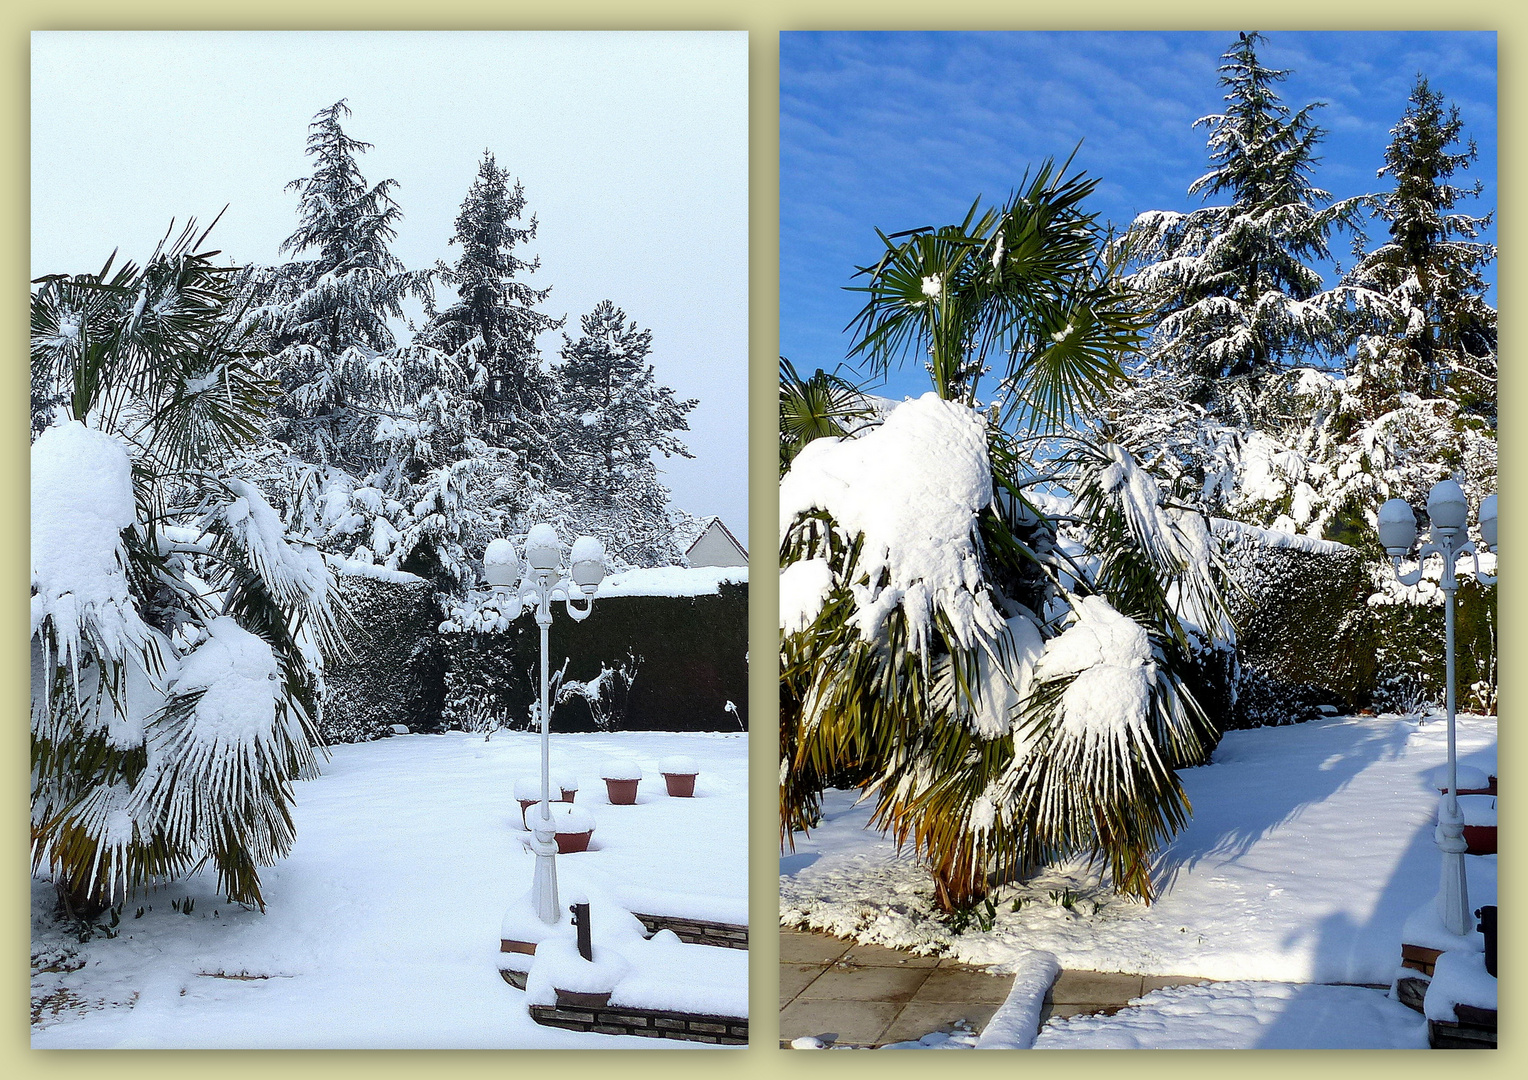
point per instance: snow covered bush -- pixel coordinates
(986, 623)
(177, 630)
(1267, 397)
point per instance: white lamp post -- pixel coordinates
(1447, 509)
(542, 583)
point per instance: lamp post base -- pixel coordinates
(1453, 892)
(544, 883)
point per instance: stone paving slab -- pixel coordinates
(897, 985)
(864, 995)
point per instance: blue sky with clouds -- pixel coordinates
(897, 130)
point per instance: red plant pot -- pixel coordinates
(569, 842)
(680, 785)
(1481, 839)
(622, 792)
(569, 794)
(525, 805)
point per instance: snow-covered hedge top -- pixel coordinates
(673, 581)
(912, 487)
(619, 769)
(82, 499)
(678, 765)
(355, 568)
(1276, 538)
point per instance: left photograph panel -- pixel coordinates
(389, 652)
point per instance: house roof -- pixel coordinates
(706, 524)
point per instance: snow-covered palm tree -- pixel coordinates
(177, 631)
(987, 623)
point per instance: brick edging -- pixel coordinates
(698, 931)
(649, 1023)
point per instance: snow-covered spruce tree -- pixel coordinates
(176, 629)
(325, 318)
(1235, 288)
(495, 315)
(1443, 341)
(614, 416)
(1000, 669)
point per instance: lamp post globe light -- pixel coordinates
(1447, 510)
(543, 581)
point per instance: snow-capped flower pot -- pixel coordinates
(679, 774)
(621, 779)
(574, 825)
(1472, 781)
(567, 786)
(1479, 823)
(559, 975)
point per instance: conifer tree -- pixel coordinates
(326, 317)
(495, 314)
(614, 418)
(1234, 285)
(1442, 342)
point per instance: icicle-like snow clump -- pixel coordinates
(82, 499)
(1110, 655)
(913, 488)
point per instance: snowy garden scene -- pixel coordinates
(389, 645)
(1138, 541)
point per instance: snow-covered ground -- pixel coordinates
(382, 927)
(1246, 1015)
(1309, 846)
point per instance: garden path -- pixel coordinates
(847, 994)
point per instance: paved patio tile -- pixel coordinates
(857, 1022)
(1156, 982)
(919, 1018)
(876, 956)
(797, 947)
(883, 984)
(1095, 987)
(795, 978)
(948, 983)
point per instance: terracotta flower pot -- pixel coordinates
(568, 843)
(680, 785)
(622, 792)
(569, 794)
(1481, 839)
(525, 805)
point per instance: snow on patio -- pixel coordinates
(1309, 846)
(382, 927)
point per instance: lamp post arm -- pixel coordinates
(1484, 579)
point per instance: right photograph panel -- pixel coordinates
(1138, 655)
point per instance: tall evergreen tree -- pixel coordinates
(326, 317)
(1443, 340)
(1236, 291)
(495, 314)
(614, 418)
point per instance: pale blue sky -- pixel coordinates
(898, 130)
(633, 149)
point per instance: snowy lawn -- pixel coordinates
(382, 927)
(1309, 846)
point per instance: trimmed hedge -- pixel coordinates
(394, 675)
(691, 656)
(1307, 637)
